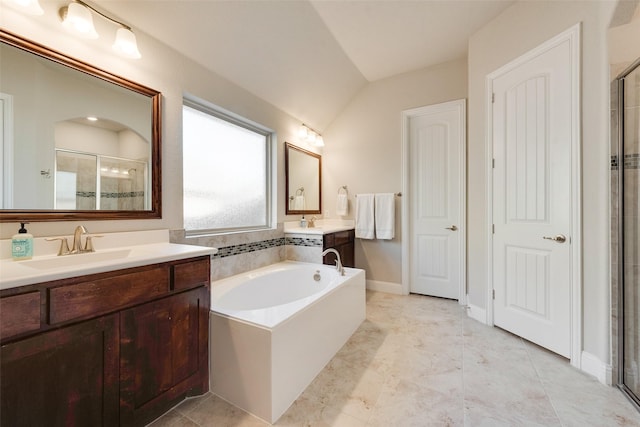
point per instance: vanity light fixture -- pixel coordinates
(77, 17)
(31, 7)
(310, 136)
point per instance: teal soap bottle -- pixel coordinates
(22, 244)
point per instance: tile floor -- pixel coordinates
(419, 361)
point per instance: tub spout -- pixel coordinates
(339, 266)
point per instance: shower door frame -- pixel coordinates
(635, 399)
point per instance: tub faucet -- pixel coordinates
(339, 266)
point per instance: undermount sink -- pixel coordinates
(71, 260)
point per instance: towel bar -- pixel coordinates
(399, 194)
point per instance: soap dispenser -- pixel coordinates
(303, 222)
(22, 244)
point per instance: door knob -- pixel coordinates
(560, 238)
(452, 228)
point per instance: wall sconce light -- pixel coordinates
(77, 17)
(310, 136)
(31, 7)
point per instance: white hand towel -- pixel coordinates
(342, 205)
(364, 216)
(385, 218)
(298, 203)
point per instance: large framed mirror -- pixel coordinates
(303, 170)
(78, 142)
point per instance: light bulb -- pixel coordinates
(312, 137)
(77, 18)
(126, 44)
(31, 7)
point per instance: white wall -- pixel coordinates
(163, 69)
(363, 150)
(517, 30)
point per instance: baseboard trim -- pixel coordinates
(592, 365)
(388, 287)
(476, 313)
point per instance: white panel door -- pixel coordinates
(436, 147)
(532, 122)
(6, 151)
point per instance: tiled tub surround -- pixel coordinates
(275, 328)
(239, 252)
(242, 252)
(304, 247)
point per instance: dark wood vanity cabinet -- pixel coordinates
(343, 242)
(63, 377)
(98, 351)
(163, 354)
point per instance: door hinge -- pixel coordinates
(493, 163)
(493, 229)
(493, 98)
(493, 293)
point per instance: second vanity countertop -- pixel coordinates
(321, 227)
(114, 251)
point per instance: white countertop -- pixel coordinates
(322, 226)
(114, 251)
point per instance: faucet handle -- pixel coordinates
(64, 245)
(88, 243)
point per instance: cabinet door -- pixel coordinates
(347, 251)
(343, 242)
(163, 354)
(65, 377)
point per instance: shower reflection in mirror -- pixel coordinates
(114, 177)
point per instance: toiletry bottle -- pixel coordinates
(22, 244)
(303, 222)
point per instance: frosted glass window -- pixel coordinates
(226, 173)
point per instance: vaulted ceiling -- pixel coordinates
(309, 58)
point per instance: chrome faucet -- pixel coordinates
(76, 247)
(339, 266)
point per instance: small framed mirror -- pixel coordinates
(79, 143)
(303, 170)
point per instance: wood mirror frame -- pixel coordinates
(293, 182)
(37, 215)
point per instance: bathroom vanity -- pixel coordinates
(307, 243)
(342, 241)
(117, 347)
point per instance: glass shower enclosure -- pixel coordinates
(628, 117)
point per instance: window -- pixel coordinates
(226, 171)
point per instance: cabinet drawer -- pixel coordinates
(19, 314)
(92, 298)
(191, 274)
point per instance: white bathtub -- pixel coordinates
(273, 330)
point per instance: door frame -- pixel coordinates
(573, 35)
(461, 106)
(6, 152)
